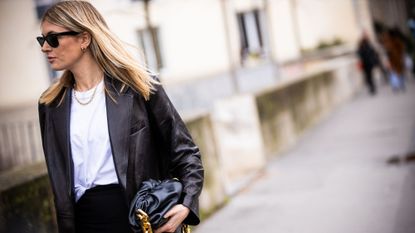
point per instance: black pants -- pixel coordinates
(369, 80)
(102, 209)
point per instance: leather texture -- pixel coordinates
(148, 139)
(155, 198)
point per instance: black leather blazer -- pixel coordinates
(148, 140)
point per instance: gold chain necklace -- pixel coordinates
(90, 100)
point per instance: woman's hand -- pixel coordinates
(176, 216)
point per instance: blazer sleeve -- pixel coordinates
(185, 159)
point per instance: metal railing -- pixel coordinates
(20, 142)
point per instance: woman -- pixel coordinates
(395, 49)
(107, 126)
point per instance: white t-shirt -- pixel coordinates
(90, 144)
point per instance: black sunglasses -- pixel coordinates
(52, 38)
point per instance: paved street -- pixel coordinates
(350, 173)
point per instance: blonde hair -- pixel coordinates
(105, 47)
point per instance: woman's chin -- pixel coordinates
(56, 67)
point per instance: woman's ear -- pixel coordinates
(85, 38)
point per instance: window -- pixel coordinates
(150, 46)
(252, 44)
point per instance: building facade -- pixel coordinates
(203, 51)
(193, 40)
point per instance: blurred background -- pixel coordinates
(251, 78)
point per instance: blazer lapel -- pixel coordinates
(61, 118)
(119, 109)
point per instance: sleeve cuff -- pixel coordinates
(193, 217)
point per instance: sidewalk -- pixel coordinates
(347, 174)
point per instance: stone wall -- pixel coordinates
(26, 202)
(213, 195)
(252, 128)
(286, 112)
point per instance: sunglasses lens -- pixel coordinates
(41, 40)
(52, 40)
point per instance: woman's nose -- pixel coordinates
(45, 47)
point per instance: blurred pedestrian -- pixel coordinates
(395, 48)
(106, 126)
(411, 39)
(369, 59)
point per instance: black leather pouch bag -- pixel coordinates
(152, 201)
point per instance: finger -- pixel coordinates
(175, 217)
(159, 230)
(169, 226)
(173, 222)
(170, 213)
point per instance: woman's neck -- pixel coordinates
(87, 75)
